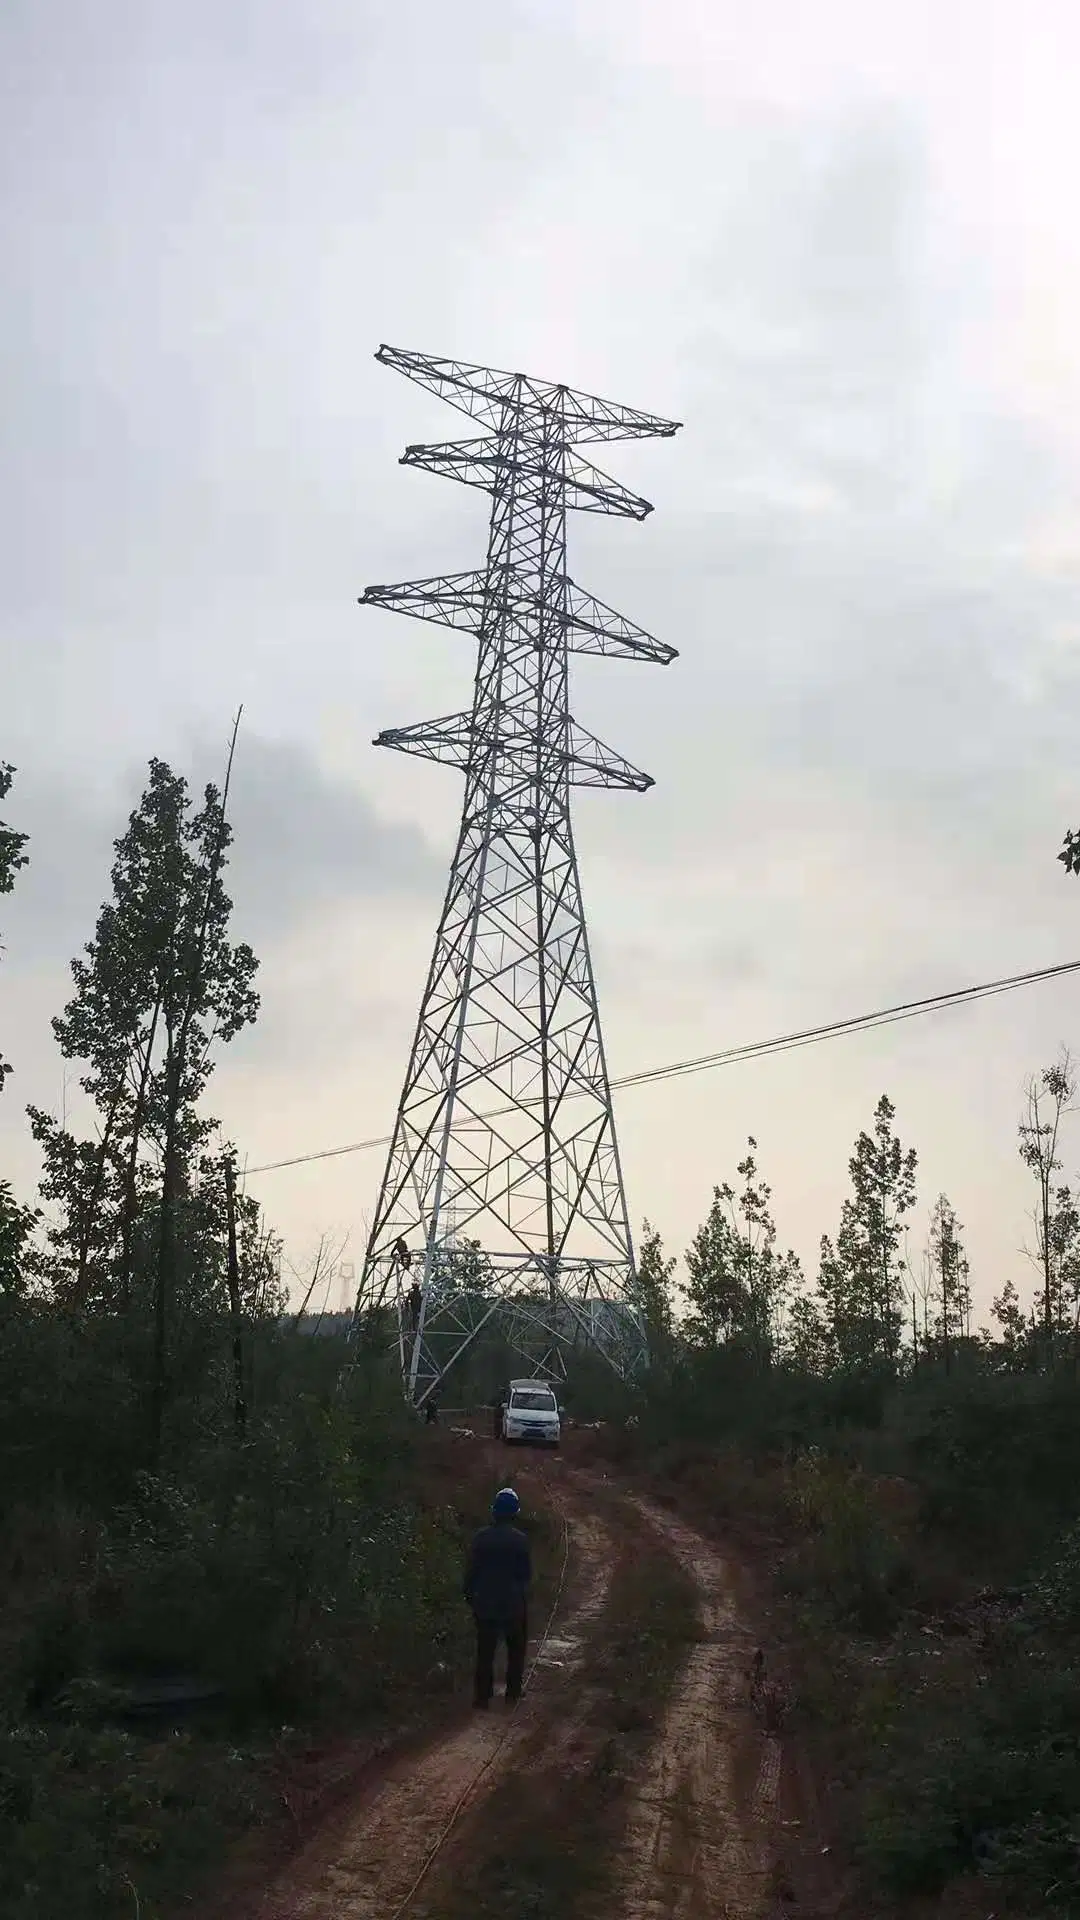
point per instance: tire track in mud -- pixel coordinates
(365, 1865)
(697, 1841)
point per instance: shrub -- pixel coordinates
(299, 1571)
(848, 1555)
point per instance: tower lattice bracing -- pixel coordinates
(503, 1194)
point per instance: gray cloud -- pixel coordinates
(305, 841)
(860, 608)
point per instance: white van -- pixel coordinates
(531, 1412)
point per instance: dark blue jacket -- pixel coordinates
(498, 1574)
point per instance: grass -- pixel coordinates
(556, 1836)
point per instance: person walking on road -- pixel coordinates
(497, 1589)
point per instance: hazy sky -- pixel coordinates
(837, 240)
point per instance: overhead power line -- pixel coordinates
(751, 1050)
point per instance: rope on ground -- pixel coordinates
(472, 1785)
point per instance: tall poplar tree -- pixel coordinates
(651, 1293)
(1057, 1241)
(159, 987)
(739, 1284)
(861, 1277)
(950, 1292)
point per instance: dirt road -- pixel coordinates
(698, 1811)
(700, 1818)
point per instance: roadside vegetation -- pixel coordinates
(908, 1488)
(217, 1541)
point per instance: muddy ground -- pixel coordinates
(686, 1800)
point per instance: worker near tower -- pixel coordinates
(497, 1589)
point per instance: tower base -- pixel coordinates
(482, 1316)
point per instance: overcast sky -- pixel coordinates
(837, 240)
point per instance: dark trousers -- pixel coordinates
(488, 1635)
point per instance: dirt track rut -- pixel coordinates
(697, 1843)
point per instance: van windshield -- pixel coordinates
(533, 1400)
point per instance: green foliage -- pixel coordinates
(981, 1765)
(848, 1555)
(288, 1565)
(158, 986)
(12, 843)
(651, 1293)
(739, 1285)
(93, 1818)
(860, 1278)
(1070, 853)
(931, 1576)
(712, 1264)
(1056, 1254)
(806, 1339)
(1015, 1348)
(998, 1459)
(992, 1788)
(951, 1289)
(17, 1223)
(963, 1735)
(464, 1268)
(302, 1576)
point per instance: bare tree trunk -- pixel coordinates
(1060, 1086)
(1044, 1235)
(239, 1404)
(130, 1203)
(946, 1283)
(166, 1266)
(315, 1272)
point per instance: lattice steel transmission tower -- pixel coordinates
(503, 1192)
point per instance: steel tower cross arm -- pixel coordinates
(483, 463)
(594, 765)
(447, 740)
(594, 628)
(487, 393)
(460, 600)
(588, 762)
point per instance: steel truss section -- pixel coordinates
(502, 1203)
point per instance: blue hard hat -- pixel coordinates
(505, 1504)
